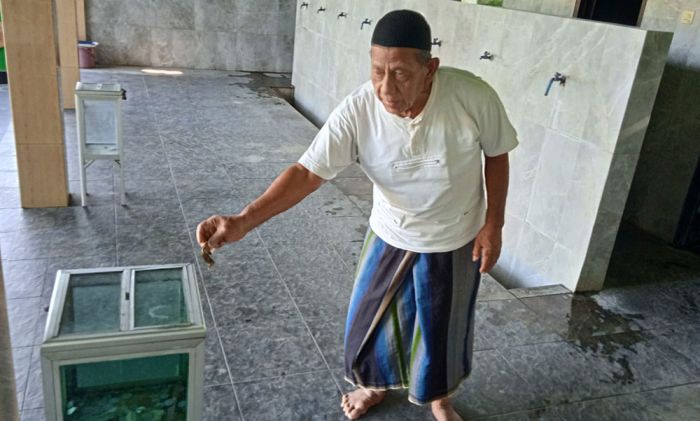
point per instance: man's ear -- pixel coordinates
(433, 65)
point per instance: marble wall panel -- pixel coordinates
(555, 173)
(523, 168)
(568, 139)
(201, 34)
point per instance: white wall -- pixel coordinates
(200, 34)
(571, 174)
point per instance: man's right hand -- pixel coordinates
(219, 230)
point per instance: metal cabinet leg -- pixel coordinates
(122, 191)
(83, 185)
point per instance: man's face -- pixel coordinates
(401, 78)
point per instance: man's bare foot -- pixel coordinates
(357, 402)
(444, 411)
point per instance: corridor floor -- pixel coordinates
(209, 142)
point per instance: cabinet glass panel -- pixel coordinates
(139, 389)
(92, 303)
(159, 298)
(100, 122)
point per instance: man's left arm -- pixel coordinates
(487, 244)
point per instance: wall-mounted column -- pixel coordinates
(32, 67)
(66, 15)
(80, 17)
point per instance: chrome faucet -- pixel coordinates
(304, 5)
(342, 15)
(486, 56)
(321, 9)
(367, 21)
(437, 41)
(558, 77)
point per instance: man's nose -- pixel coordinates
(388, 84)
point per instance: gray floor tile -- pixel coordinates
(143, 191)
(673, 403)
(24, 245)
(240, 263)
(504, 323)
(9, 179)
(364, 203)
(635, 302)
(151, 244)
(220, 404)
(239, 304)
(684, 340)
(24, 315)
(33, 415)
(353, 171)
(21, 360)
(329, 201)
(161, 212)
(100, 192)
(329, 335)
(574, 316)
(310, 260)
(197, 209)
(324, 296)
(539, 291)
(34, 396)
(493, 387)
(24, 278)
(9, 198)
(490, 289)
(26, 219)
(558, 372)
(139, 166)
(633, 363)
(312, 396)
(290, 231)
(266, 170)
(215, 371)
(395, 406)
(618, 408)
(356, 186)
(282, 347)
(346, 234)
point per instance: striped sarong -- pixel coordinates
(410, 323)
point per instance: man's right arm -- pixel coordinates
(288, 189)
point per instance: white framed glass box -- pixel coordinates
(98, 110)
(124, 343)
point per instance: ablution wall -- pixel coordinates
(249, 35)
(579, 146)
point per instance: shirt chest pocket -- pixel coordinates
(419, 183)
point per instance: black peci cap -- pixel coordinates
(402, 28)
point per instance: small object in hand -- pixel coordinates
(206, 255)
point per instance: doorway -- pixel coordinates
(623, 12)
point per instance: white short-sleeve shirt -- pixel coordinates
(428, 191)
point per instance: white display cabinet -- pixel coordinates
(98, 110)
(124, 344)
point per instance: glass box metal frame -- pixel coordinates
(82, 334)
(98, 110)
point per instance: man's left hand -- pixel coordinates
(487, 244)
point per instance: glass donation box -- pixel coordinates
(98, 111)
(124, 344)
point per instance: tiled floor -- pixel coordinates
(209, 142)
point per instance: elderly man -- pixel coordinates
(418, 131)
